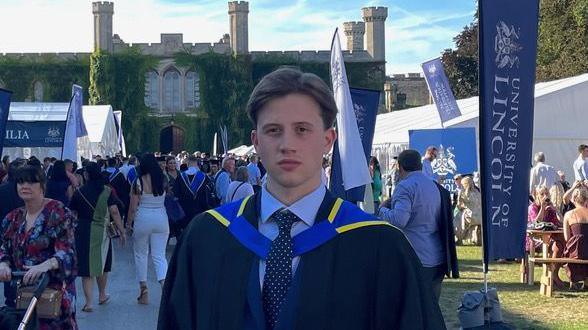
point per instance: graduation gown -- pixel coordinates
(365, 278)
(193, 203)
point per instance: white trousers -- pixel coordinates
(151, 232)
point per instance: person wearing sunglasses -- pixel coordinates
(39, 238)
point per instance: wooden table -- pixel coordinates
(545, 236)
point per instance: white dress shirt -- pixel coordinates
(305, 208)
(580, 169)
(542, 175)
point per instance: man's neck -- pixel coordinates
(289, 196)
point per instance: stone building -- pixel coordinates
(406, 91)
(172, 89)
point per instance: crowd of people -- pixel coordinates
(260, 240)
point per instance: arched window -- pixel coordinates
(152, 90)
(38, 91)
(192, 90)
(171, 91)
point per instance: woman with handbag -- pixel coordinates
(95, 204)
(148, 217)
(39, 238)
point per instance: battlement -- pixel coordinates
(372, 14)
(354, 27)
(43, 56)
(106, 7)
(171, 44)
(406, 76)
(321, 56)
(238, 6)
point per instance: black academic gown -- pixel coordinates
(448, 233)
(366, 278)
(192, 204)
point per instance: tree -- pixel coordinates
(562, 49)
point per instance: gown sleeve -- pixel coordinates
(178, 303)
(400, 271)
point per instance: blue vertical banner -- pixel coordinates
(4, 109)
(508, 51)
(74, 126)
(440, 90)
(365, 105)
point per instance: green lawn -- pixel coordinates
(522, 305)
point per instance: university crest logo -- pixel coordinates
(53, 132)
(432, 69)
(506, 45)
(445, 162)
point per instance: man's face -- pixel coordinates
(230, 166)
(585, 153)
(291, 139)
(69, 167)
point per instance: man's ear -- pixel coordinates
(330, 137)
(254, 140)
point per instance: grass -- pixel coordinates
(522, 305)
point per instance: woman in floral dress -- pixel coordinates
(39, 238)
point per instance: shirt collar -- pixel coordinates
(110, 170)
(191, 171)
(305, 208)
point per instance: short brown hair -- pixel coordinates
(581, 147)
(286, 81)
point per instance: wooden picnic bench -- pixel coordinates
(547, 276)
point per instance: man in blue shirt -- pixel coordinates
(416, 208)
(223, 177)
(294, 256)
(254, 173)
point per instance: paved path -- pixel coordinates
(122, 311)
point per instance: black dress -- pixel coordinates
(83, 227)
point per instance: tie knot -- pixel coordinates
(285, 219)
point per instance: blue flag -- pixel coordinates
(4, 109)
(74, 126)
(78, 98)
(508, 51)
(440, 90)
(365, 104)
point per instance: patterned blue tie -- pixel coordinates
(278, 272)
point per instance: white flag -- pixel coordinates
(354, 166)
(121, 137)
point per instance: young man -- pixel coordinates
(192, 190)
(293, 256)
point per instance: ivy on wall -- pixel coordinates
(57, 76)
(226, 83)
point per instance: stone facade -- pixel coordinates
(406, 91)
(238, 12)
(103, 12)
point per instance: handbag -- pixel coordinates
(174, 210)
(111, 230)
(48, 303)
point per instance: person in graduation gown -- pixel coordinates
(193, 192)
(294, 256)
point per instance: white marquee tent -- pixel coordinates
(102, 136)
(559, 124)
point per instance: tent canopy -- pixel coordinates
(102, 136)
(559, 122)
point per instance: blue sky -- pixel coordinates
(416, 30)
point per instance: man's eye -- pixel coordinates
(273, 130)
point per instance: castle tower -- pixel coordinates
(374, 18)
(103, 12)
(238, 12)
(354, 32)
